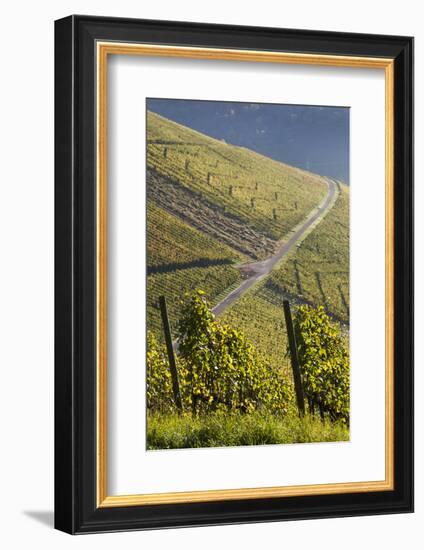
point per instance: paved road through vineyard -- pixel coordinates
(258, 270)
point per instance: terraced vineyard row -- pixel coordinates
(318, 272)
(173, 244)
(213, 280)
(259, 315)
(181, 259)
(196, 211)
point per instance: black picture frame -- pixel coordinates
(76, 508)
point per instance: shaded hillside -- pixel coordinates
(182, 259)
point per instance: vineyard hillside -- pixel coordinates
(253, 201)
(181, 259)
(210, 207)
(232, 235)
(315, 273)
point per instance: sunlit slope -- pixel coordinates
(316, 272)
(237, 196)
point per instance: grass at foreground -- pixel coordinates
(236, 429)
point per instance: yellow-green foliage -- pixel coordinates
(259, 314)
(324, 362)
(159, 394)
(267, 195)
(232, 397)
(318, 271)
(219, 369)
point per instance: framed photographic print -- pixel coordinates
(234, 270)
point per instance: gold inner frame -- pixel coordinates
(104, 49)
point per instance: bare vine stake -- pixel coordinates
(171, 355)
(294, 359)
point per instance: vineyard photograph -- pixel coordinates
(247, 266)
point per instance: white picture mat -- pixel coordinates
(132, 469)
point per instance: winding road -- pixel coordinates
(258, 270)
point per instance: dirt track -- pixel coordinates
(256, 271)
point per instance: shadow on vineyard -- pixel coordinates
(229, 394)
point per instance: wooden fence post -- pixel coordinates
(171, 355)
(294, 359)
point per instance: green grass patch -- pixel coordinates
(233, 430)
